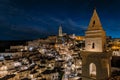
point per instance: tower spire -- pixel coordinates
(60, 31)
(95, 23)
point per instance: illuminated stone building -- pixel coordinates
(114, 46)
(96, 63)
(3, 70)
(50, 75)
(79, 38)
(95, 35)
(60, 31)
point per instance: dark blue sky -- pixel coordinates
(31, 19)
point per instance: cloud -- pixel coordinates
(69, 22)
(57, 20)
(70, 26)
(20, 32)
(25, 33)
(75, 24)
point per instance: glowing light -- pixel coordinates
(92, 70)
(31, 48)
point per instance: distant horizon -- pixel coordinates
(45, 37)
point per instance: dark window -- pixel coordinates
(93, 45)
(93, 23)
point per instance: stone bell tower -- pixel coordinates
(95, 60)
(95, 36)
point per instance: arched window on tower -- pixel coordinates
(93, 23)
(92, 70)
(93, 45)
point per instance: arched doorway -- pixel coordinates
(92, 70)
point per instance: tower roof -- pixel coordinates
(60, 27)
(95, 23)
(60, 30)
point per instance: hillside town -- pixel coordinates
(57, 57)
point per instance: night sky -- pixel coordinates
(32, 19)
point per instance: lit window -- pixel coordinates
(92, 69)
